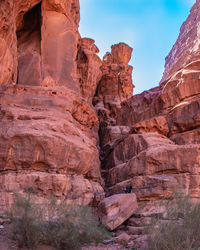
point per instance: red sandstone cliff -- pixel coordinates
(48, 130)
(187, 44)
(154, 142)
(62, 108)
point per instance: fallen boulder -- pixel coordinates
(116, 209)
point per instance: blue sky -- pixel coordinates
(150, 27)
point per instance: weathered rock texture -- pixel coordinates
(187, 45)
(8, 43)
(116, 209)
(88, 68)
(48, 130)
(114, 87)
(151, 141)
(50, 81)
(116, 78)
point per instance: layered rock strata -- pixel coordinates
(160, 153)
(48, 129)
(114, 87)
(151, 141)
(88, 68)
(51, 136)
(187, 44)
(116, 209)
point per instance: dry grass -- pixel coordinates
(61, 226)
(181, 229)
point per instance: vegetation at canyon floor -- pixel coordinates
(180, 228)
(58, 225)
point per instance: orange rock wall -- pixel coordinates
(151, 141)
(48, 127)
(8, 43)
(62, 110)
(187, 45)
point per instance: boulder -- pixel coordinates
(116, 209)
(123, 239)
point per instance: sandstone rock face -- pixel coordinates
(187, 44)
(116, 209)
(62, 109)
(39, 40)
(47, 145)
(59, 41)
(117, 74)
(114, 87)
(8, 43)
(48, 128)
(29, 43)
(151, 141)
(157, 163)
(89, 73)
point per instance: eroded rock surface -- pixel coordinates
(88, 71)
(151, 141)
(116, 74)
(48, 128)
(116, 209)
(62, 109)
(8, 43)
(187, 44)
(154, 146)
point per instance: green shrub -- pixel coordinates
(180, 228)
(75, 226)
(61, 226)
(26, 218)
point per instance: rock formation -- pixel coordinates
(48, 130)
(187, 44)
(62, 109)
(152, 142)
(116, 209)
(88, 68)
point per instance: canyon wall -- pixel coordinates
(48, 127)
(187, 45)
(70, 127)
(152, 142)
